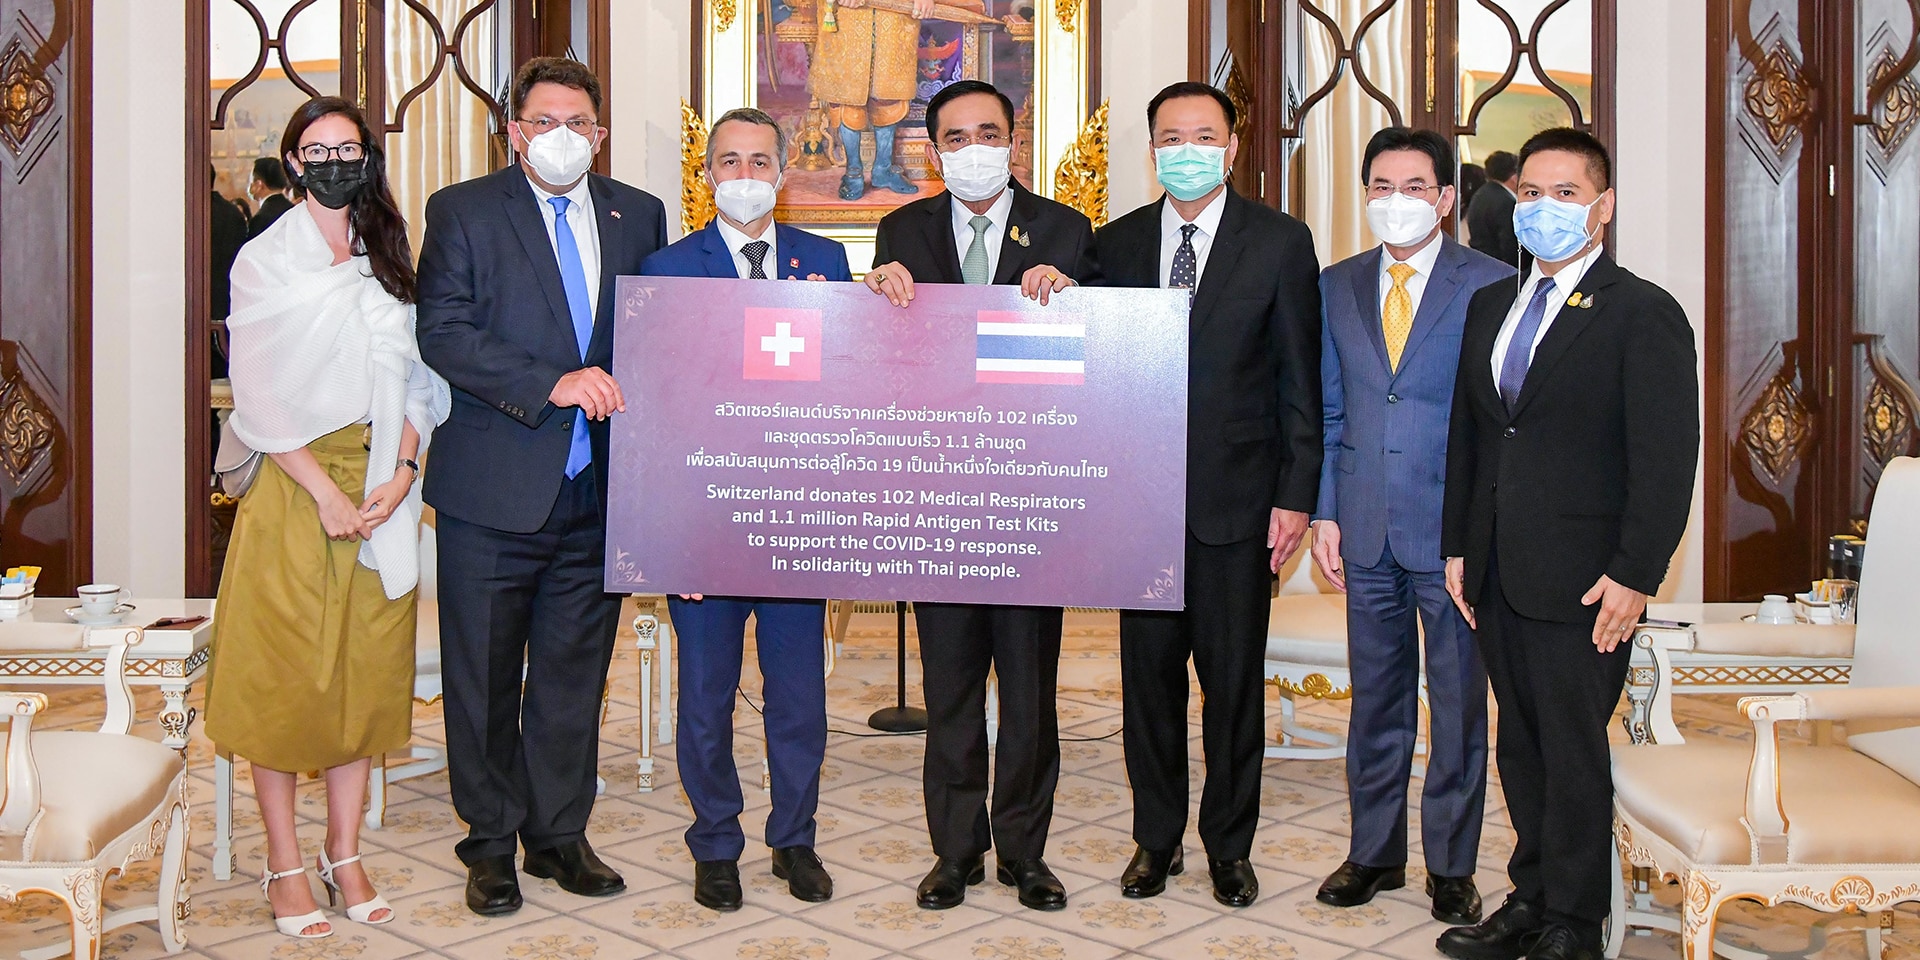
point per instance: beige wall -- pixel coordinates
(139, 258)
(1660, 171)
(138, 408)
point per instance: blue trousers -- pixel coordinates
(790, 638)
(1383, 650)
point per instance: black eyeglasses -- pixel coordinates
(350, 151)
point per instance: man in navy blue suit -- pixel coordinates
(746, 153)
(1390, 346)
(517, 276)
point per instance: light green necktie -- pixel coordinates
(973, 268)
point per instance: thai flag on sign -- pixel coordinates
(1018, 348)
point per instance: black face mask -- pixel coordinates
(334, 183)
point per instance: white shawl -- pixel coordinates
(318, 346)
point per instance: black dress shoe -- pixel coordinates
(576, 868)
(1455, 899)
(493, 888)
(1146, 874)
(1503, 936)
(1562, 942)
(805, 875)
(946, 884)
(1039, 888)
(1353, 884)
(1233, 882)
(716, 884)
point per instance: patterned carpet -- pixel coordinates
(873, 839)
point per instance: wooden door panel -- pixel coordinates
(45, 282)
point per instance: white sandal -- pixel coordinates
(295, 926)
(357, 912)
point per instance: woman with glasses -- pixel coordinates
(314, 644)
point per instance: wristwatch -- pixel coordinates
(413, 465)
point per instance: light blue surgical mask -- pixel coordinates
(1190, 171)
(1552, 230)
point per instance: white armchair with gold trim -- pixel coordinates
(1833, 827)
(80, 805)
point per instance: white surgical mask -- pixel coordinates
(976, 172)
(1400, 220)
(560, 156)
(744, 200)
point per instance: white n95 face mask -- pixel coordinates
(560, 156)
(1400, 220)
(744, 200)
(976, 171)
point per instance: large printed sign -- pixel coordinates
(807, 439)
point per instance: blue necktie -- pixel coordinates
(573, 276)
(1513, 370)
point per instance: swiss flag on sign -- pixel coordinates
(782, 344)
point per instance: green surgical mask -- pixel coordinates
(1190, 171)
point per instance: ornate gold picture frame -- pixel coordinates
(850, 78)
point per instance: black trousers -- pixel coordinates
(522, 761)
(1224, 630)
(958, 643)
(1556, 695)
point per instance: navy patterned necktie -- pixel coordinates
(755, 252)
(1186, 266)
(1513, 369)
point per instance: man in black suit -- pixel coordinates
(1010, 236)
(1253, 471)
(268, 188)
(1570, 459)
(226, 234)
(516, 310)
(1490, 215)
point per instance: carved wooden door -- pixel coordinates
(1813, 339)
(45, 300)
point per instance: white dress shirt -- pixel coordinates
(999, 213)
(1422, 263)
(1170, 223)
(586, 233)
(1567, 280)
(734, 240)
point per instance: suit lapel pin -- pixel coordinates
(614, 214)
(1575, 300)
(1018, 237)
(1587, 302)
(794, 263)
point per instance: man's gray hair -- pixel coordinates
(752, 115)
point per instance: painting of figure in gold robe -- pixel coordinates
(850, 81)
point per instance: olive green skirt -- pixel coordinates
(312, 665)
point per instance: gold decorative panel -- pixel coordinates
(1897, 111)
(696, 195)
(1777, 429)
(1081, 180)
(25, 96)
(1778, 96)
(28, 431)
(723, 13)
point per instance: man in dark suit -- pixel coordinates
(516, 303)
(1570, 459)
(1253, 466)
(985, 228)
(1389, 348)
(268, 188)
(226, 234)
(1490, 218)
(746, 154)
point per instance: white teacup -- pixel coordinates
(1774, 608)
(100, 599)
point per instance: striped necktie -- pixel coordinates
(1513, 369)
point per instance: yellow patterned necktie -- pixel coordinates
(1396, 318)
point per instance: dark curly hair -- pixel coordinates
(379, 231)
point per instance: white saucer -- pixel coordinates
(119, 613)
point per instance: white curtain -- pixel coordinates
(1325, 169)
(445, 130)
